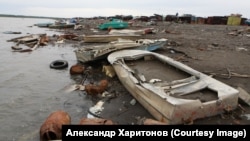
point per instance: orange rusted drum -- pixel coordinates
(77, 69)
(51, 129)
(148, 31)
(96, 121)
(96, 89)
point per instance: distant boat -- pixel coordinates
(62, 26)
(108, 38)
(171, 91)
(115, 24)
(11, 32)
(92, 53)
(46, 24)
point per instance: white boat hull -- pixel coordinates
(179, 94)
(92, 53)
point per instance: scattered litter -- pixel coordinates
(108, 70)
(247, 116)
(215, 44)
(78, 27)
(105, 94)
(228, 75)
(108, 96)
(94, 30)
(241, 49)
(151, 23)
(172, 51)
(133, 102)
(154, 80)
(172, 32)
(59, 41)
(96, 110)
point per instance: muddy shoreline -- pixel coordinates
(211, 49)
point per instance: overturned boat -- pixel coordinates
(92, 53)
(171, 91)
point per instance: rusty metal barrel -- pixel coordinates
(51, 129)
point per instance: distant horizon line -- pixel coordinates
(30, 16)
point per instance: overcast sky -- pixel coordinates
(91, 8)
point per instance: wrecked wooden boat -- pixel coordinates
(106, 38)
(171, 91)
(92, 53)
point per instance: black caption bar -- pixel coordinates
(109, 132)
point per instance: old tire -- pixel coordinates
(59, 64)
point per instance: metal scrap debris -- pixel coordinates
(228, 75)
(239, 32)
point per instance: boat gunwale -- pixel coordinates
(97, 51)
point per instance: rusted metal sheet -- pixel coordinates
(220, 20)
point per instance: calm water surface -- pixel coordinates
(29, 89)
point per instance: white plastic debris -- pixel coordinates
(96, 110)
(133, 102)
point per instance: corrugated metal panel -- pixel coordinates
(233, 20)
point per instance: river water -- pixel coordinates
(29, 89)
